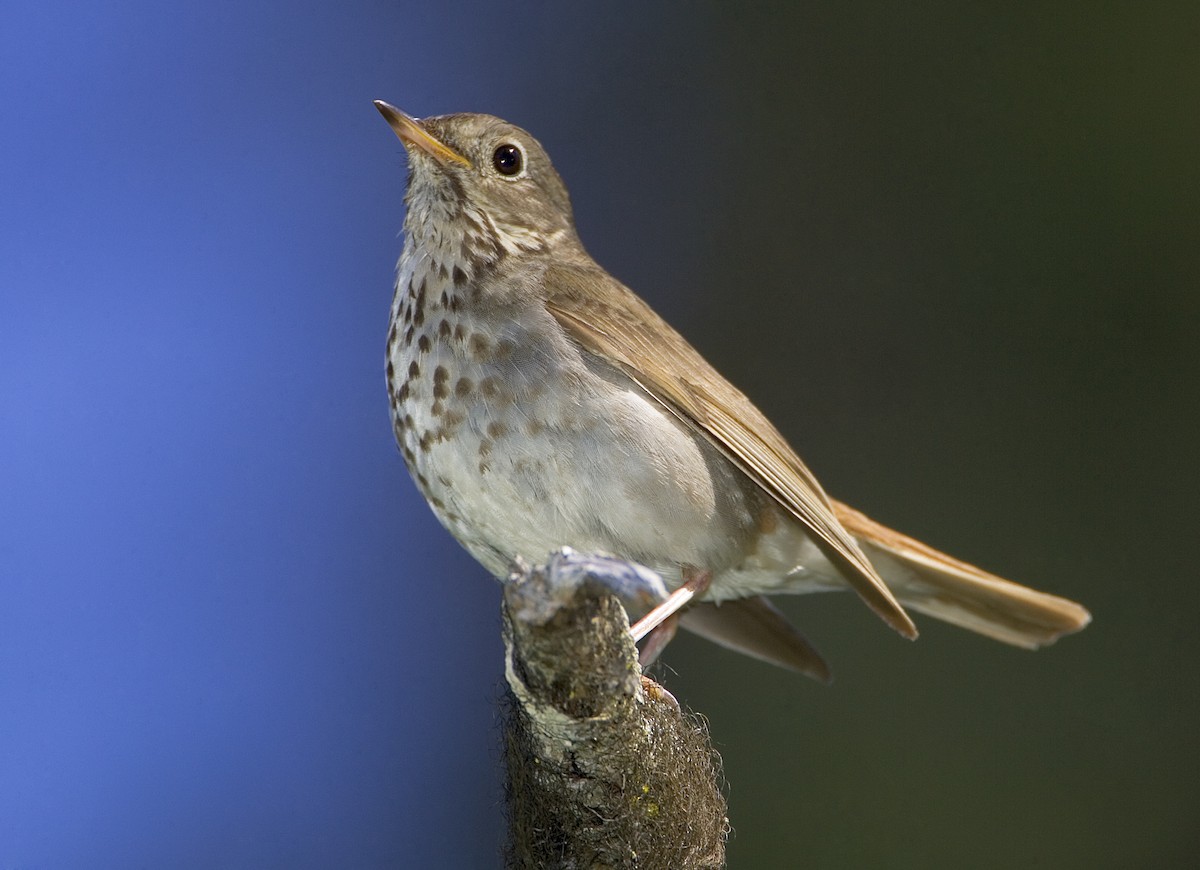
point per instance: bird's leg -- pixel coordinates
(657, 640)
(660, 624)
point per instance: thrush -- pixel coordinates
(539, 403)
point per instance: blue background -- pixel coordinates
(951, 251)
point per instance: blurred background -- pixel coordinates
(953, 250)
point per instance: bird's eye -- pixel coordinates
(508, 160)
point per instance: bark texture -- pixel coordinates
(604, 768)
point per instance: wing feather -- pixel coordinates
(609, 321)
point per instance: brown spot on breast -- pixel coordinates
(485, 450)
(451, 420)
(414, 309)
(444, 302)
(459, 332)
(391, 371)
(444, 329)
(402, 393)
(497, 430)
(463, 387)
(505, 348)
(423, 343)
(455, 303)
(490, 387)
(392, 329)
(414, 370)
(460, 277)
(534, 427)
(479, 345)
(440, 376)
(426, 440)
(437, 409)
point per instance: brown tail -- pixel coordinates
(942, 587)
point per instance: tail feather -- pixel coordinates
(754, 626)
(940, 586)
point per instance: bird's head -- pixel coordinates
(482, 177)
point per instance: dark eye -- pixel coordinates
(508, 159)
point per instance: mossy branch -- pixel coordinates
(604, 769)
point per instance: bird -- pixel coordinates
(540, 403)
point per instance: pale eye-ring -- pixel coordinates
(508, 159)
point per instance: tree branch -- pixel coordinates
(604, 769)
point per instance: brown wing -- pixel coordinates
(607, 319)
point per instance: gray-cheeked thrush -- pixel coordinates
(539, 403)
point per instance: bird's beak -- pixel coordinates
(412, 134)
